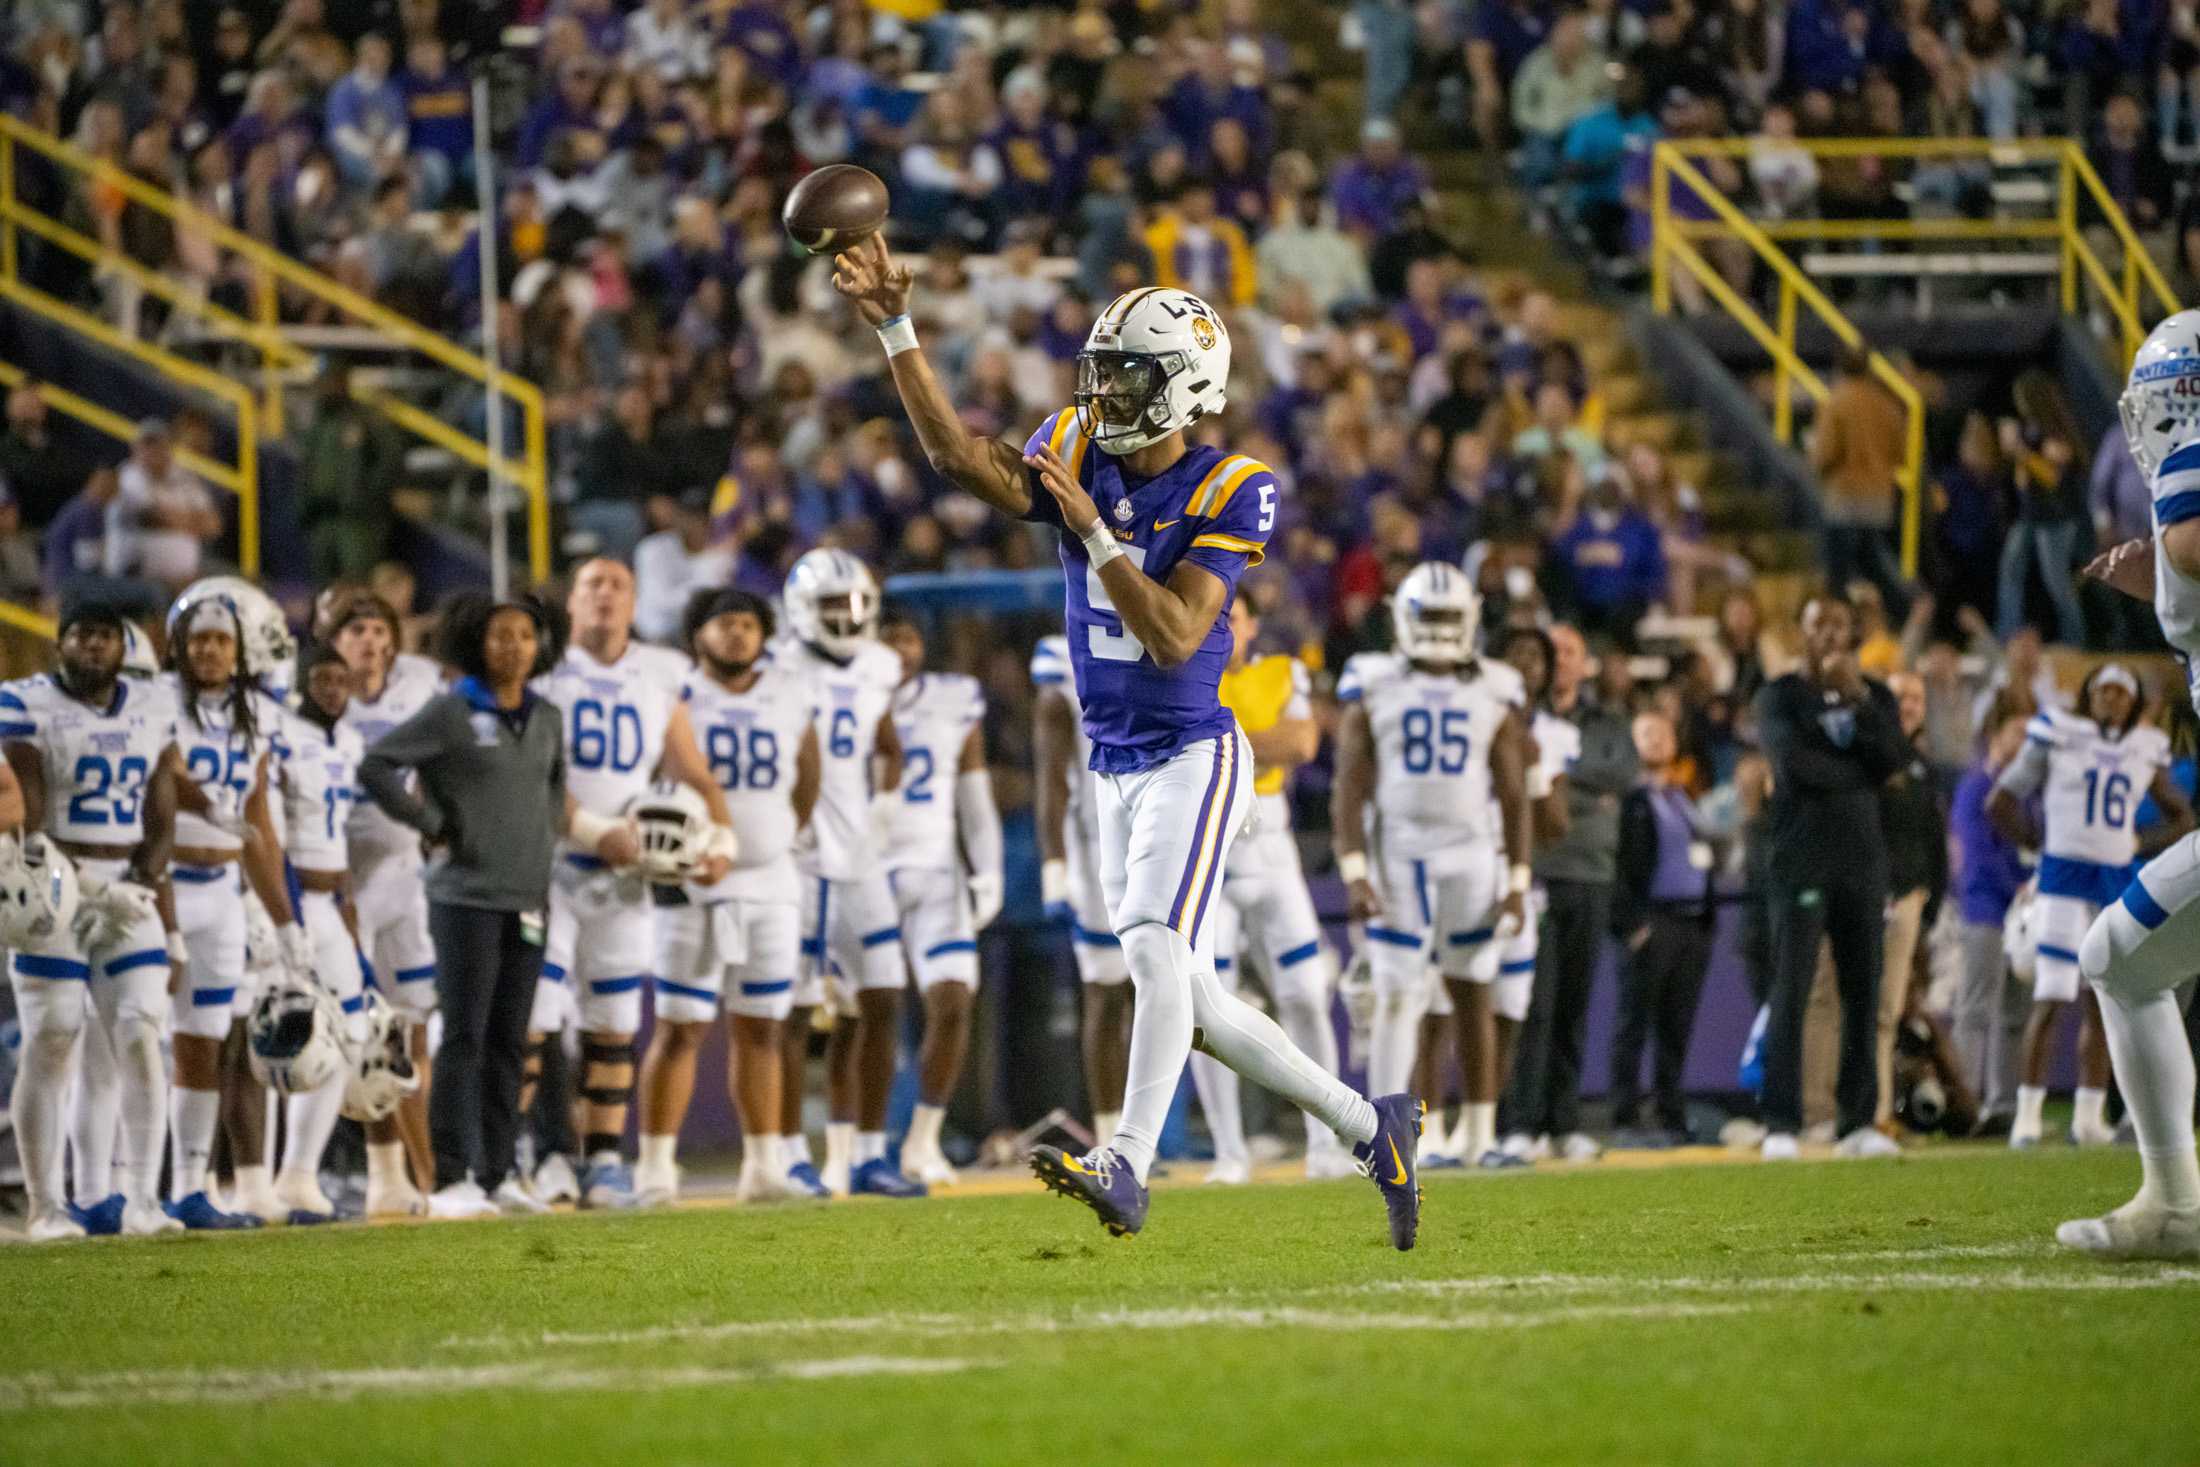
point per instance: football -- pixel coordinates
(834, 207)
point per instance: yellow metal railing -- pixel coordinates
(1673, 245)
(2136, 294)
(271, 274)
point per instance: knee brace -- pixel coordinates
(607, 1081)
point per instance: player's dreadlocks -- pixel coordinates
(243, 682)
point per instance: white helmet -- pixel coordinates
(1436, 613)
(832, 602)
(2020, 933)
(137, 653)
(675, 829)
(265, 648)
(2161, 414)
(1156, 362)
(382, 1070)
(295, 1036)
(38, 892)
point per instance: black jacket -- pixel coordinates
(1914, 821)
(1829, 757)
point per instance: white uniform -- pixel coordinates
(746, 930)
(1099, 951)
(934, 713)
(602, 933)
(320, 791)
(389, 894)
(1558, 746)
(223, 760)
(96, 762)
(2094, 784)
(1439, 862)
(851, 931)
(1264, 890)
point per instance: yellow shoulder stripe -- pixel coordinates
(1229, 486)
(1197, 506)
(1219, 541)
(1065, 422)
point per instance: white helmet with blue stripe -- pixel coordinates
(265, 648)
(2161, 402)
(832, 601)
(1436, 614)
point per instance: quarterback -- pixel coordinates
(1155, 533)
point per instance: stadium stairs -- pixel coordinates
(1481, 209)
(239, 365)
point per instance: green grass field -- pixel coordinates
(1905, 1311)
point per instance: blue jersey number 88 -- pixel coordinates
(722, 746)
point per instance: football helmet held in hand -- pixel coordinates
(38, 893)
(294, 1036)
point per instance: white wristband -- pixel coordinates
(1101, 546)
(1518, 878)
(1352, 866)
(898, 335)
(587, 829)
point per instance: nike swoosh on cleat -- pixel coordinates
(1400, 1179)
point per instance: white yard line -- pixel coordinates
(1214, 1316)
(1913, 1281)
(236, 1387)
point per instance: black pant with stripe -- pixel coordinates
(486, 971)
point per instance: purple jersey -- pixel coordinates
(1213, 509)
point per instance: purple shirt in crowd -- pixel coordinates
(1987, 871)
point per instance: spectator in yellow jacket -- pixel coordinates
(1195, 249)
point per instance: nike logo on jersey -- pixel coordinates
(1160, 525)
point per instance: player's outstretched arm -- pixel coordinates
(26, 770)
(1170, 621)
(987, 467)
(1348, 810)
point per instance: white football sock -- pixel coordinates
(1105, 1123)
(1217, 1085)
(39, 1104)
(795, 1150)
(924, 1129)
(1160, 961)
(656, 1155)
(2146, 1042)
(92, 1118)
(840, 1145)
(2089, 1111)
(1394, 1040)
(870, 1146)
(144, 1106)
(766, 1153)
(1250, 1042)
(252, 1189)
(386, 1165)
(196, 1113)
(1478, 1128)
(308, 1121)
(2030, 1098)
(1303, 1011)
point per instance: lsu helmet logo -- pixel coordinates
(1203, 332)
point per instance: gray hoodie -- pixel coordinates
(491, 794)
